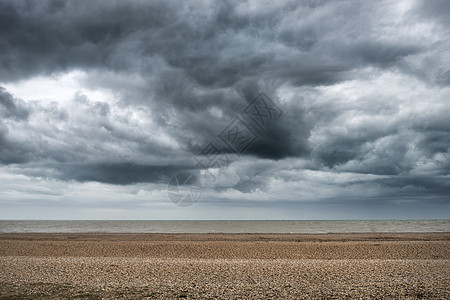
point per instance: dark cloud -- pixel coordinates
(15, 109)
(214, 45)
(416, 187)
(286, 136)
(121, 173)
(11, 151)
(434, 133)
(55, 36)
(12, 108)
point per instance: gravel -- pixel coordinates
(97, 266)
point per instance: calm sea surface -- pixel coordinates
(225, 226)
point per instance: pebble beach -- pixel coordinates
(225, 266)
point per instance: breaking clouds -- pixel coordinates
(102, 102)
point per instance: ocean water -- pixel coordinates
(14, 226)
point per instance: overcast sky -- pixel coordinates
(102, 102)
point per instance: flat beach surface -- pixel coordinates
(293, 266)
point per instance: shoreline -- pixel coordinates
(214, 235)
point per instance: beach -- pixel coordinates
(211, 266)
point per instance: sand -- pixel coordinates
(224, 266)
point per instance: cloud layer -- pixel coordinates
(125, 95)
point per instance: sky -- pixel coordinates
(316, 109)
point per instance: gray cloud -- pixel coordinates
(363, 89)
(12, 108)
(214, 45)
(121, 173)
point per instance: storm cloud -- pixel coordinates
(128, 94)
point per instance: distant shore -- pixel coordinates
(92, 265)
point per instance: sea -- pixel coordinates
(241, 226)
